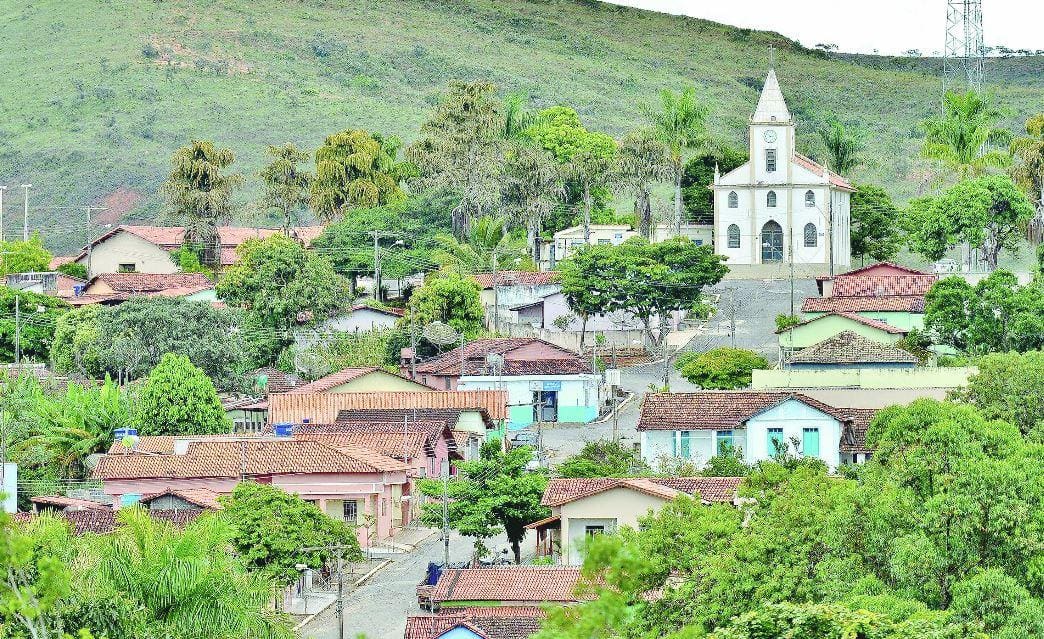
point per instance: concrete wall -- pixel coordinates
(362, 320)
(793, 417)
(819, 330)
(378, 381)
(127, 248)
(877, 378)
(612, 509)
(666, 445)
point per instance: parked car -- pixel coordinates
(525, 438)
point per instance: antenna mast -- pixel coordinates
(964, 59)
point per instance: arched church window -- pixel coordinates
(811, 235)
(734, 236)
(733, 200)
(810, 198)
(770, 199)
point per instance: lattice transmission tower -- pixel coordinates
(964, 58)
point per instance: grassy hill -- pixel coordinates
(96, 94)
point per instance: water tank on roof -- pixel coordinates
(284, 430)
(126, 436)
(79, 289)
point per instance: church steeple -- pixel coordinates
(771, 106)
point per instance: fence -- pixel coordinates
(322, 408)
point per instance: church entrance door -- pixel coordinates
(771, 242)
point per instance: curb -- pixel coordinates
(616, 410)
(358, 582)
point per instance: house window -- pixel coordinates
(351, 511)
(770, 199)
(698, 242)
(685, 444)
(733, 200)
(724, 438)
(591, 531)
(127, 268)
(617, 236)
(446, 381)
(811, 237)
(603, 241)
(810, 198)
(734, 236)
(776, 444)
(810, 442)
(770, 160)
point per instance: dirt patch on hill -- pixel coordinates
(117, 205)
(171, 53)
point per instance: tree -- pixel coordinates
(829, 620)
(34, 324)
(354, 169)
(448, 298)
(487, 240)
(697, 177)
(994, 315)
(271, 526)
(286, 184)
(76, 347)
(28, 256)
(459, 151)
(642, 162)
(532, 186)
(603, 458)
(199, 195)
(73, 269)
(965, 137)
(875, 224)
(844, 145)
(679, 125)
(1029, 172)
(988, 212)
(179, 399)
(491, 494)
(1009, 387)
(276, 278)
(720, 368)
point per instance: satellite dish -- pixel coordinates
(495, 361)
(440, 334)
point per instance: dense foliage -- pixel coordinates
(876, 230)
(32, 323)
(448, 298)
(720, 368)
(179, 399)
(1010, 387)
(698, 175)
(603, 458)
(24, 257)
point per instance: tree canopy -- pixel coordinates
(966, 138)
(286, 184)
(179, 399)
(680, 124)
(720, 368)
(699, 174)
(34, 324)
(28, 256)
(199, 195)
(354, 168)
(448, 298)
(603, 458)
(876, 224)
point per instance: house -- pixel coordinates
(147, 249)
(780, 206)
(492, 622)
(849, 349)
(190, 499)
(469, 427)
(759, 424)
(566, 241)
(358, 485)
(553, 318)
(102, 521)
(360, 319)
(505, 586)
(249, 413)
(886, 292)
(584, 507)
(815, 330)
(45, 283)
(114, 288)
(360, 380)
(544, 382)
(512, 288)
(854, 449)
(62, 504)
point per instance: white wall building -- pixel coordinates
(780, 206)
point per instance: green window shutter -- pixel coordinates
(686, 448)
(810, 442)
(775, 441)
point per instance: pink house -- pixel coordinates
(363, 487)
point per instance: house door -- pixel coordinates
(545, 406)
(771, 242)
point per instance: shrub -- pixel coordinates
(179, 399)
(721, 368)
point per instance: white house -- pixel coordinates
(695, 426)
(567, 240)
(361, 319)
(780, 198)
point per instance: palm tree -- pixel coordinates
(532, 186)
(964, 137)
(679, 124)
(199, 194)
(643, 160)
(1029, 172)
(488, 235)
(354, 168)
(844, 146)
(591, 168)
(286, 184)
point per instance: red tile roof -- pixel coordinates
(709, 489)
(335, 379)
(563, 363)
(277, 381)
(394, 439)
(201, 497)
(155, 282)
(882, 285)
(325, 407)
(891, 303)
(517, 278)
(853, 438)
(67, 502)
(496, 622)
(819, 169)
(878, 324)
(58, 260)
(508, 584)
(718, 410)
(882, 268)
(848, 347)
(100, 521)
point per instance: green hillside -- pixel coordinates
(95, 94)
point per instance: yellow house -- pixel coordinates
(815, 330)
(360, 380)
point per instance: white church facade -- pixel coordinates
(781, 206)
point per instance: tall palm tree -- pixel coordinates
(532, 186)
(591, 168)
(965, 138)
(1029, 172)
(642, 161)
(680, 124)
(286, 183)
(488, 236)
(199, 194)
(844, 145)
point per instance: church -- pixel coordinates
(781, 207)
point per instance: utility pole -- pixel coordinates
(413, 347)
(376, 264)
(338, 552)
(445, 515)
(732, 314)
(496, 300)
(25, 214)
(790, 251)
(18, 332)
(2, 189)
(88, 234)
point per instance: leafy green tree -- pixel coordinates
(845, 145)
(721, 368)
(199, 195)
(988, 212)
(488, 240)
(603, 458)
(875, 228)
(286, 184)
(179, 399)
(356, 169)
(76, 348)
(966, 137)
(449, 298)
(276, 278)
(35, 329)
(28, 256)
(994, 315)
(1029, 171)
(187, 257)
(1009, 387)
(491, 494)
(73, 269)
(728, 462)
(271, 526)
(783, 321)
(679, 124)
(698, 175)
(830, 620)
(642, 162)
